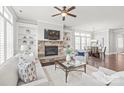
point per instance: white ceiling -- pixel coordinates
(88, 17)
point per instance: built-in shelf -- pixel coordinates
(27, 36)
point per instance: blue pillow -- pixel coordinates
(81, 53)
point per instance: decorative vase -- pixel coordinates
(68, 58)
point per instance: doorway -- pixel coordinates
(120, 43)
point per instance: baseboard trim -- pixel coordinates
(111, 53)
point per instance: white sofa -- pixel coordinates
(9, 74)
(89, 80)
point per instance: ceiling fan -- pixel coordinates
(64, 12)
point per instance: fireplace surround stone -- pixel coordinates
(52, 43)
(42, 44)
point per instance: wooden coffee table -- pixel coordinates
(71, 66)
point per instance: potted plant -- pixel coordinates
(69, 52)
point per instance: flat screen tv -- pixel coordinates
(52, 34)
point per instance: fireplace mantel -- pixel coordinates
(46, 40)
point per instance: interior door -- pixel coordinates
(120, 43)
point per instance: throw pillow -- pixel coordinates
(27, 71)
(9, 73)
(81, 53)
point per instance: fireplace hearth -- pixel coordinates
(51, 50)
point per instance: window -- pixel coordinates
(1, 40)
(6, 34)
(120, 42)
(77, 33)
(82, 40)
(9, 40)
(88, 41)
(1, 9)
(83, 34)
(77, 42)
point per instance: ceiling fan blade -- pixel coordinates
(71, 15)
(71, 8)
(57, 8)
(63, 18)
(56, 14)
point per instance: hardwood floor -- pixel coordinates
(113, 62)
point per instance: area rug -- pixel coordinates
(57, 77)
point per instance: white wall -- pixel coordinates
(46, 25)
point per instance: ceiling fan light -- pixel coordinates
(64, 14)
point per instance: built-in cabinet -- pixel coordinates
(66, 39)
(27, 37)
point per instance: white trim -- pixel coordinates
(5, 40)
(111, 53)
(100, 31)
(26, 21)
(10, 8)
(26, 25)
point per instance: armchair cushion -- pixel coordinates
(117, 82)
(8, 73)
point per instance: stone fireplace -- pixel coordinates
(51, 50)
